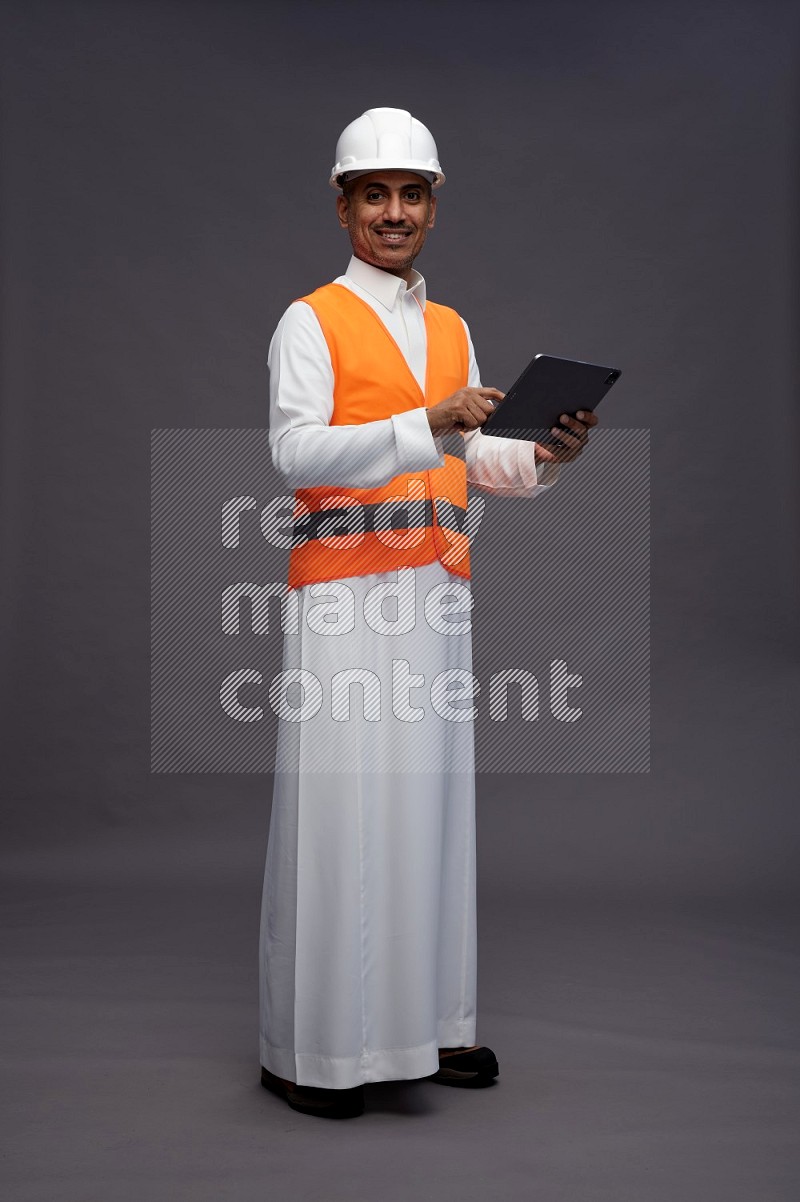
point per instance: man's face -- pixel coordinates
(388, 214)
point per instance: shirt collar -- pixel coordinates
(383, 286)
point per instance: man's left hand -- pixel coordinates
(572, 436)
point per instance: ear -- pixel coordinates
(432, 213)
(341, 208)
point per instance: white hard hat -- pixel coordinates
(386, 138)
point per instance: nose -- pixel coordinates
(394, 209)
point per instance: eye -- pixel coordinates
(413, 196)
(374, 196)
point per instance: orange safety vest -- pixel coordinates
(418, 516)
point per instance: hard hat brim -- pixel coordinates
(365, 165)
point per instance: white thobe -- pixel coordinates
(368, 924)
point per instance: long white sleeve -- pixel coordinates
(306, 450)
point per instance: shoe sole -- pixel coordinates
(342, 1110)
(463, 1080)
(466, 1080)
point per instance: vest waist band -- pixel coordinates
(414, 514)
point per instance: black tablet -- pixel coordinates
(547, 388)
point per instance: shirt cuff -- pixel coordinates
(419, 451)
(547, 474)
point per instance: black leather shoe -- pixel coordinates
(467, 1069)
(310, 1099)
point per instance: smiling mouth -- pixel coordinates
(393, 237)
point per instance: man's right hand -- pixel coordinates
(464, 410)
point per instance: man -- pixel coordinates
(367, 953)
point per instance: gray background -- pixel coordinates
(622, 184)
